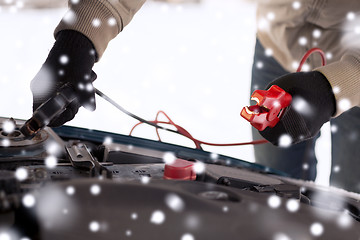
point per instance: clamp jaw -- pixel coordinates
(270, 107)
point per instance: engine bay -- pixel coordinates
(77, 183)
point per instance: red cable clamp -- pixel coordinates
(269, 108)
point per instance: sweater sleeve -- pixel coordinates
(99, 20)
(344, 78)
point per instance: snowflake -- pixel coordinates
(94, 226)
(292, 205)
(70, 190)
(53, 148)
(274, 201)
(199, 167)
(75, 1)
(336, 169)
(89, 87)
(187, 236)
(70, 17)
(51, 161)
(108, 141)
(334, 128)
(268, 52)
(328, 55)
(350, 16)
(169, 157)
(296, 5)
(61, 72)
(316, 229)
(134, 216)
(336, 89)
(112, 21)
(301, 106)
(259, 65)
(174, 202)
(305, 166)
(316, 33)
(145, 179)
(128, 233)
(5, 142)
(281, 236)
(157, 217)
(302, 41)
(214, 156)
(64, 59)
(270, 16)
(95, 189)
(21, 174)
(225, 208)
(344, 220)
(28, 200)
(96, 22)
(344, 104)
(8, 126)
(285, 140)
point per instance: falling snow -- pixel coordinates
(28, 200)
(51, 161)
(95, 189)
(174, 202)
(70, 17)
(316, 33)
(292, 205)
(285, 141)
(157, 217)
(350, 16)
(303, 41)
(336, 90)
(5, 142)
(96, 22)
(108, 141)
(281, 236)
(64, 59)
(145, 179)
(344, 104)
(274, 201)
(112, 21)
(21, 174)
(169, 158)
(336, 169)
(187, 236)
(8, 126)
(268, 52)
(316, 229)
(94, 226)
(134, 216)
(259, 65)
(70, 190)
(344, 221)
(296, 5)
(128, 233)
(199, 167)
(301, 106)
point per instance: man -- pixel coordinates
(84, 32)
(288, 29)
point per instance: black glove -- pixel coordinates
(313, 104)
(70, 61)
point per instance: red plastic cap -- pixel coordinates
(180, 169)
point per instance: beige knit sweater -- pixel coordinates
(289, 28)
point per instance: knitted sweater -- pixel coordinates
(289, 28)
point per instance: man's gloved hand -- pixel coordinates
(313, 104)
(70, 61)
